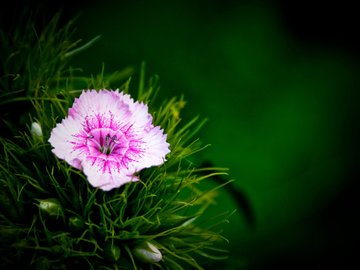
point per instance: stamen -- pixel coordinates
(107, 138)
(109, 145)
(114, 140)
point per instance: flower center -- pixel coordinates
(105, 141)
(108, 145)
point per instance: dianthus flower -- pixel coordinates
(110, 137)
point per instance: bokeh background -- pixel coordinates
(279, 82)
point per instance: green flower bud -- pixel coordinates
(76, 223)
(51, 207)
(112, 252)
(36, 130)
(148, 253)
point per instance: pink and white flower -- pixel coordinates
(110, 137)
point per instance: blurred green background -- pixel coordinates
(279, 85)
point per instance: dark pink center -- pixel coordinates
(107, 141)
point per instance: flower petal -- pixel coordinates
(94, 102)
(105, 174)
(61, 139)
(154, 149)
(139, 111)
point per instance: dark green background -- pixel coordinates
(279, 85)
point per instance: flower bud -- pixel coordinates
(76, 223)
(36, 130)
(112, 252)
(148, 253)
(51, 206)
